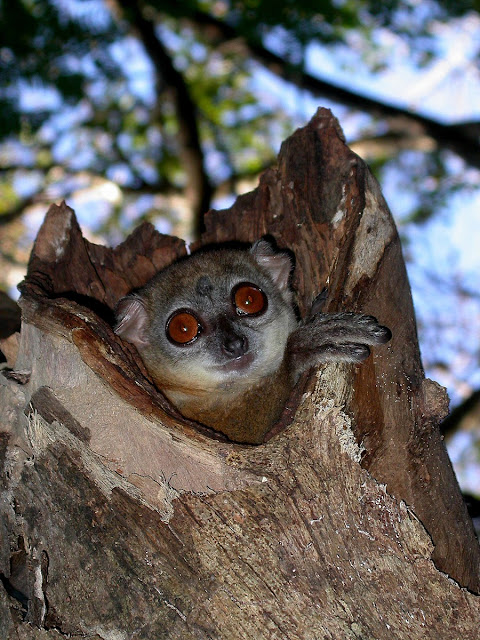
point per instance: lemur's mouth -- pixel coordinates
(237, 364)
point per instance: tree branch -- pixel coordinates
(460, 138)
(199, 189)
(17, 210)
(469, 407)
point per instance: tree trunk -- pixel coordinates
(121, 520)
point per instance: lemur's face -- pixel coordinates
(213, 320)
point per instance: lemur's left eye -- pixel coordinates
(249, 299)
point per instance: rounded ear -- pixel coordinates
(132, 320)
(276, 263)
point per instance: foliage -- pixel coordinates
(81, 88)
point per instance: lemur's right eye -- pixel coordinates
(183, 327)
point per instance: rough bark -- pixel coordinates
(121, 520)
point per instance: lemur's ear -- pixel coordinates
(276, 263)
(132, 320)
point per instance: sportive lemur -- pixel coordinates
(218, 333)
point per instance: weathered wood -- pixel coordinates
(10, 316)
(122, 520)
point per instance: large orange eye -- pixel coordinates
(249, 299)
(182, 327)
